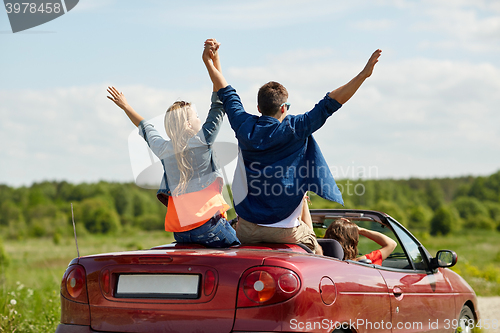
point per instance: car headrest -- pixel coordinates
(331, 248)
(305, 247)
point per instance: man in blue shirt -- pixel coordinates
(279, 160)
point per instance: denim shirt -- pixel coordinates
(205, 167)
(281, 160)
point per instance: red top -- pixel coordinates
(191, 210)
(375, 257)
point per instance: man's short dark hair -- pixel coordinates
(270, 97)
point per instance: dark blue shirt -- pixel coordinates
(281, 160)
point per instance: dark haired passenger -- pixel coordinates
(279, 160)
(347, 234)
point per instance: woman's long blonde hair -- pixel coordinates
(178, 130)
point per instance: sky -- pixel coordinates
(430, 108)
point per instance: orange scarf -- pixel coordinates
(191, 210)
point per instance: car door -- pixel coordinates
(422, 300)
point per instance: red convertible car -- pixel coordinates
(270, 288)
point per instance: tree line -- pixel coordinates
(435, 206)
(44, 209)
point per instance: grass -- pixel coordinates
(29, 284)
(478, 257)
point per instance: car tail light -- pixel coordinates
(259, 286)
(267, 285)
(74, 283)
(288, 282)
(105, 282)
(209, 284)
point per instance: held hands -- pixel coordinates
(210, 51)
(117, 97)
(368, 70)
(212, 62)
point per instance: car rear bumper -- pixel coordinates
(66, 328)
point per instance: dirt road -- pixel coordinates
(489, 308)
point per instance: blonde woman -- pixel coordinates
(192, 183)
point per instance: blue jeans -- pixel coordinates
(216, 232)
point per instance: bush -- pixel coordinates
(434, 195)
(493, 209)
(45, 220)
(105, 221)
(97, 216)
(83, 191)
(122, 197)
(486, 188)
(56, 238)
(9, 212)
(144, 203)
(442, 222)
(419, 217)
(36, 196)
(392, 209)
(480, 222)
(469, 207)
(150, 222)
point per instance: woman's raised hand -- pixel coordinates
(117, 97)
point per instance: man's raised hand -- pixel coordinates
(368, 70)
(345, 92)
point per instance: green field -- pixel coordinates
(478, 257)
(30, 282)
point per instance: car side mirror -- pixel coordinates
(444, 258)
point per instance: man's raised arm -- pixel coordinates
(344, 93)
(213, 64)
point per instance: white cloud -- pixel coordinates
(467, 25)
(416, 117)
(429, 113)
(374, 25)
(248, 14)
(75, 133)
(412, 117)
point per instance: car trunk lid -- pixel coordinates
(183, 290)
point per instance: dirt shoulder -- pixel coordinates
(489, 308)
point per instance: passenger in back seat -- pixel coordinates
(347, 234)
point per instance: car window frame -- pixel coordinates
(388, 221)
(423, 252)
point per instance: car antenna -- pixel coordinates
(74, 230)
